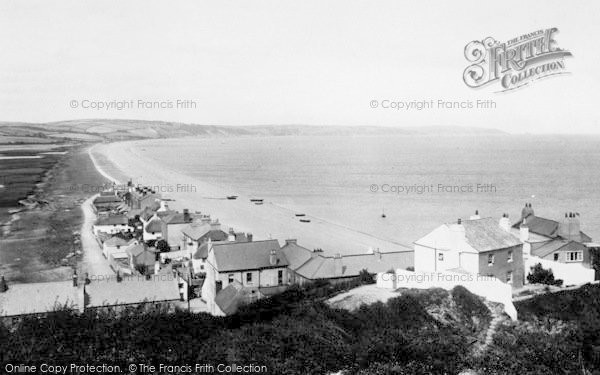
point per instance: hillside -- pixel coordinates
(96, 130)
(419, 332)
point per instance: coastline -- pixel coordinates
(270, 220)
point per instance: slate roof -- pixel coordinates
(557, 245)
(38, 298)
(136, 249)
(236, 256)
(196, 232)
(304, 263)
(178, 218)
(118, 241)
(231, 297)
(132, 290)
(486, 235)
(107, 199)
(113, 220)
(546, 227)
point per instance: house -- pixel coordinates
(106, 202)
(35, 299)
(560, 241)
(112, 224)
(196, 238)
(141, 258)
(260, 267)
(175, 222)
(116, 244)
(476, 247)
(18, 300)
(140, 197)
(118, 291)
(310, 265)
(153, 229)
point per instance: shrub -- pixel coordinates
(539, 275)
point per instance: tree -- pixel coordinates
(163, 246)
(539, 275)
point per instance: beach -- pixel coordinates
(121, 161)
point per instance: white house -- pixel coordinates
(478, 246)
(112, 225)
(116, 244)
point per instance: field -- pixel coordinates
(39, 243)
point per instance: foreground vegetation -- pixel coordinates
(298, 333)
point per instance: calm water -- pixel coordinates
(331, 177)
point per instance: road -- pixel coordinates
(93, 261)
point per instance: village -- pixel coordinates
(140, 252)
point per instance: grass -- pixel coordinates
(41, 238)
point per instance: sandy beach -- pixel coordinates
(120, 161)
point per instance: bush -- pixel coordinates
(539, 275)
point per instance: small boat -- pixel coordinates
(383, 214)
(232, 197)
(305, 220)
(256, 200)
(300, 215)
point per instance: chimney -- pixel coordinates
(249, 237)
(3, 286)
(231, 236)
(337, 265)
(476, 216)
(505, 223)
(273, 257)
(524, 231)
(186, 215)
(315, 253)
(74, 277)
(570, 227)
(291, 241)
(156, 267)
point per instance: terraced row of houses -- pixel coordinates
(190, 257)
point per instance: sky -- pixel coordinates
(322, 62)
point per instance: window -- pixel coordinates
(490, 259)
(510, 257)
(249, 277)
(230, 279)
(441, 257)
(556, 257)
(509, 277)
(280, 277)
(574, 256)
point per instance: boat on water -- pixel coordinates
(383, 214)
(300, 215)
(305, 220)
(232, 197)
(256, 200)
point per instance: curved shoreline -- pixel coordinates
(269, 220)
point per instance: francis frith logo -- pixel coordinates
(514, 63)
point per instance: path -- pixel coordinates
(93, 261)
(497, 318)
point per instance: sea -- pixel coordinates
(400, 187)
